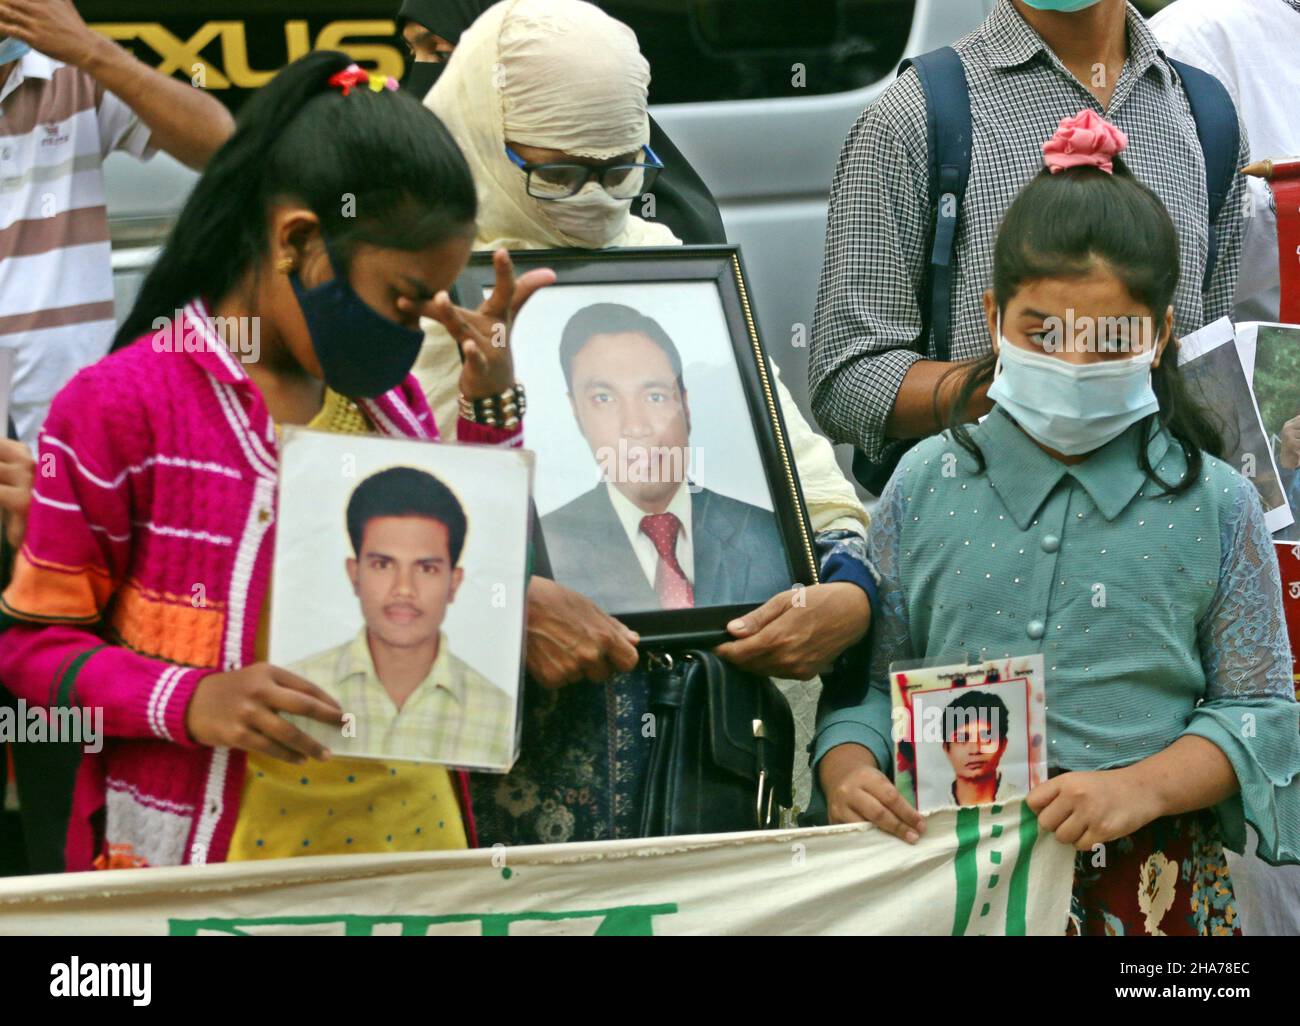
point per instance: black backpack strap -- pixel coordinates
(948, 146)
(948, 143)
(1220, 136)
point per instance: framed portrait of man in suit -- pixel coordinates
(665, 488)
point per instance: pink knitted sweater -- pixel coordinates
(144, 569)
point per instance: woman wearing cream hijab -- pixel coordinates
(561, 81)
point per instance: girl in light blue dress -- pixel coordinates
(1089, 518)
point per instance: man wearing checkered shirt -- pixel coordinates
(872, 376)
(409, 696)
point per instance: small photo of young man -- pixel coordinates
(973, 745)
(976, 727)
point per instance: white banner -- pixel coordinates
(975, 871)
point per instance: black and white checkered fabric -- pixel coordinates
(868, 317)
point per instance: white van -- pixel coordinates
(759, 94)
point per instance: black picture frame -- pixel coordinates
(722, 266)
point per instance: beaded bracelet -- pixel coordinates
(497, 411)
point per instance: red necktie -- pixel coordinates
(671, 585)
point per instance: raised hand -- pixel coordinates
(52, 27)
(484, 334)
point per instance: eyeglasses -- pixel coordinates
(560, 181)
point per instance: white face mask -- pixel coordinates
(11, 49)
(592, 216)
(1073, 408)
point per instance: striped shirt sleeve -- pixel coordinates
(121, 130)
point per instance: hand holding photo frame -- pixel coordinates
(969, 734)
(665, 487)
(398, 588)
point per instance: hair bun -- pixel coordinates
(1085, 140)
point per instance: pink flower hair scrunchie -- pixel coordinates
(1082, 141)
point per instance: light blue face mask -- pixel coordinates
(11, 49)
(1064, 6)
(1073, 408)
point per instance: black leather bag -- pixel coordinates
(723, 756)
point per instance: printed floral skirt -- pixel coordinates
(1168, 879)
(581, 768)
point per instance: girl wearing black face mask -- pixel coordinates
(289, 293)
(331, 219)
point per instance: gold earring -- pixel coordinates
(284, 265)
